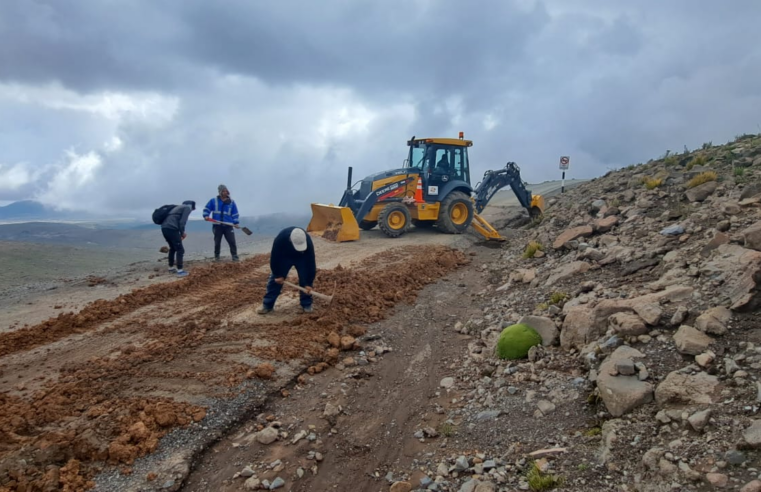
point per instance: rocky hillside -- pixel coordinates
(643, 286)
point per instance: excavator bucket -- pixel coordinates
(333, 223)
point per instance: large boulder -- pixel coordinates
(685, 389)
(736, 269)
(516, 340)
(621, 393)
(571, 234)
(701, 192)
(584, 324)
(690, 341)
(627, 324)
(544, 326)
(752, 236)
(714, 321)
(566, 271)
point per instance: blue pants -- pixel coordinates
(274, 289)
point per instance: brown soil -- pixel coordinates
(100, 387)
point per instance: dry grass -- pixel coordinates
(702, 178)
(652, 183)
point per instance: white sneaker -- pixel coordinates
(172, 269)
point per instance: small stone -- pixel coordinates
(268, 435)
(735, 457)
(277, 483)
(625, 367)
(754, 486)
(247, 472)
(331, 411)
(545, 406)
(705, 359)
(752, 434)
(447, 383)
(717, 479)
(252, 483)
(461, 464)
(699, 420)
(401, 487)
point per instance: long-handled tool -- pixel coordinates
(316, 294)
(245, 230)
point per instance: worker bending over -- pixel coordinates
(291, 248)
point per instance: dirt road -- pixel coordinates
(165, 369)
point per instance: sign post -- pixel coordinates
(564, 163)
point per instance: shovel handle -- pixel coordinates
(316, 294)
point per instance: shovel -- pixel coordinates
(245, 230)
(316, 294)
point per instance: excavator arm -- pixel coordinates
(493, 182)
(509, 176)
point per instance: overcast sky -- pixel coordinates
(122, 106)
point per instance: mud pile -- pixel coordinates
(104, 410)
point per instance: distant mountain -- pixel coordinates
(32, 210)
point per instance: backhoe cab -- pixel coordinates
(432, 189)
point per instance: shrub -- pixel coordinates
(532, 248)
(697, 161)
(671, 160)
(516, 340)
(739, 171)
(701, 179)
(652, 183)
(558, 297)
(539, 481)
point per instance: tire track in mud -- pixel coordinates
(110, 409)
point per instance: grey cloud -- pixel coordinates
(608, 83)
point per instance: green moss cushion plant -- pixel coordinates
(516, 340)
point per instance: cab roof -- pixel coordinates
(443, 141)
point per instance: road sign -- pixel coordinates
(564, 162)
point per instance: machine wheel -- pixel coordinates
(423, 224)
(456, 213)
(366, 225)
(394, 220)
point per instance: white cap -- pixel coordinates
(299, 239)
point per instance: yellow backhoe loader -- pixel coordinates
(432, 189)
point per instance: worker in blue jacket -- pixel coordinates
(292, 247)
(222, 208)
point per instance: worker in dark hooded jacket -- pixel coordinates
(173, 229)
(291, 248)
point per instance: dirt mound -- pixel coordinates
(104, 409)
(101, 311)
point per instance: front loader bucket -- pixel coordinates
(333, 223)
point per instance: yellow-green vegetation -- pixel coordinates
(671, 160)
(558, 297)
(539, 481)
(594, 431)
(516, 340)
(583, 466)
(652, 183)
(697, 161)
(446, 429)
(543, 306)
(739, 171)
(701, 179)
(532, 248)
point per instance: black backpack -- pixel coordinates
(161, 213)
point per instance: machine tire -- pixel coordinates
(394, 220)
(456, 213)
(423, 224)
(367, 225)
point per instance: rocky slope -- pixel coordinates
(643, 285)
